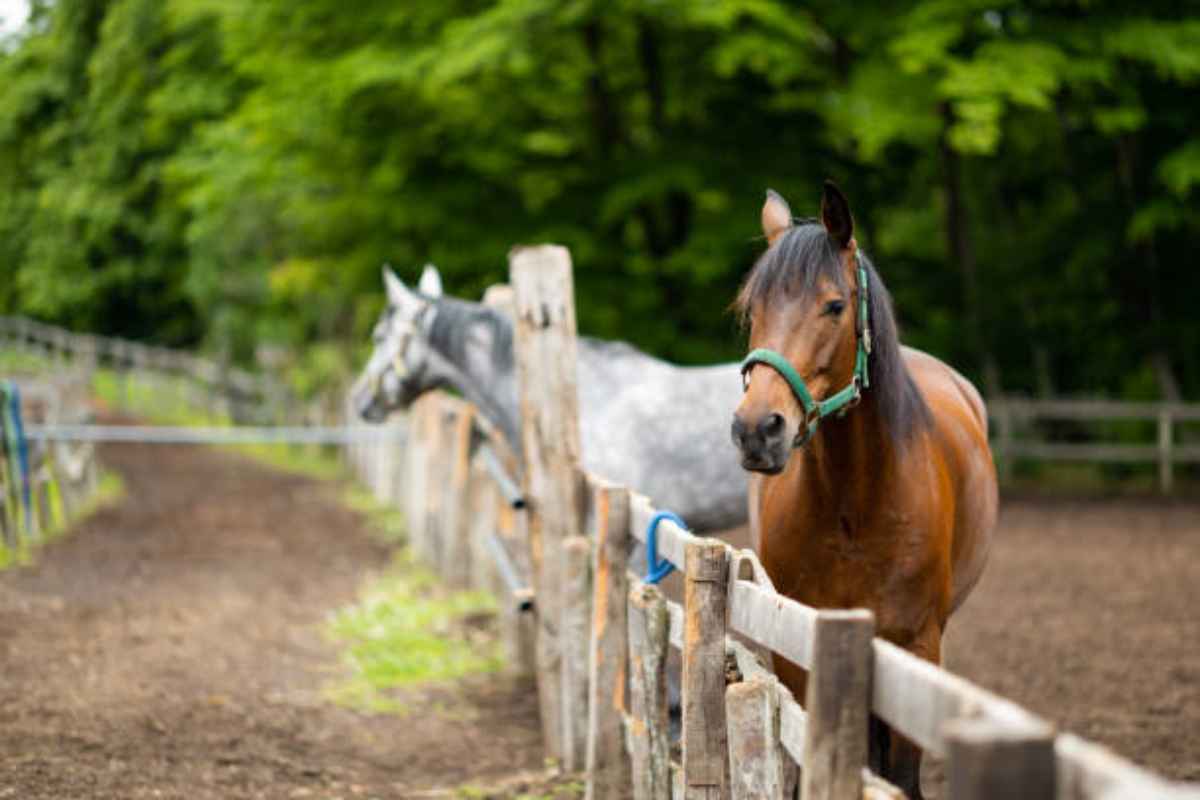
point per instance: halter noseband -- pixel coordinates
(840, 402)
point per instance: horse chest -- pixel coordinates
(843, 559)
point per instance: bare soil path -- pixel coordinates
(171, 647)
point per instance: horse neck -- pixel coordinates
(849, 458)
(488, 383)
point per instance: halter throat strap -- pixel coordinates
(839, 402)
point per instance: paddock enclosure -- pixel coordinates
(558, 547)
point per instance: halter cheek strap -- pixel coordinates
(839, 402)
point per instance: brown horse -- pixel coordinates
(875, 487)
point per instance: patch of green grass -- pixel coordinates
(13, 362)
(405, 630)
(109, 491)
(550, 785)
(385, 522)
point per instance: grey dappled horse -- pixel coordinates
(657, 428)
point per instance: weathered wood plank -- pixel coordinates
(481, 524)
(918, 698)
(1090, 409)
(705, 751)
(987, 760)
(1088, 771)
(1165, 436)
(671, 538)
(420, 439)
(608, 765)
(773, 621)
(546, 375)
(576, 646)
(456, 521)
(839, 686)
(757, 768)
(648, 720)
(793, 725)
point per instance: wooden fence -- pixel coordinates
(56, 478)
(578, 618)
(1015, 428)
(194, 383)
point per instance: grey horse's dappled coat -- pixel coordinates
(655, 427)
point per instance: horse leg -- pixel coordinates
(904, 756)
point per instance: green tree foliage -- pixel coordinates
(1025, 173)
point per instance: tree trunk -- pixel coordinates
(962, 252)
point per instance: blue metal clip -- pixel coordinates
(657, 570)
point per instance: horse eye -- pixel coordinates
(834, 307)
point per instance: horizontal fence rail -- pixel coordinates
(242, 434)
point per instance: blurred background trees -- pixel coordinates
(233, 174)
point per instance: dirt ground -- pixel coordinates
(1089, 614)
(171, 646)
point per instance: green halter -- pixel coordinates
(839, 402)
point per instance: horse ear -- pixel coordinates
(398, 294)
(776, 216)
(431, 282)
(835, 214)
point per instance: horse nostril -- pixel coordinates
(772, 425)
(738, 430)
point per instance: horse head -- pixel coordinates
(805, 302)
(399, 369)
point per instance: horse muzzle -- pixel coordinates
(367, 403)
(764, 443)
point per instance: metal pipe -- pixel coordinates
(166, 434)
(508, 487)
(522, 594)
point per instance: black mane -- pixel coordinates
(791, 268)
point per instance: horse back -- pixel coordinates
(959, 439)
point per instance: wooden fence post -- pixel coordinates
(576, 646)
(650, 751)
(705, 756)
(421, 440)
(456, 522)
(520, 626)
(838, 702)
(607, 759)
(989, 761)
(1004, 435)
(1166, 472)
(546, 369)
(482, 512)
(757, 770)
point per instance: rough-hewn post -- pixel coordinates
(1004, 436)
(520, 626)
(757, 766)
(988, 761)
(420, 439)
(1166, 472)
(456, 519)
(839, 696)
(546, 375)
(705, 756)
(576, 644)
(650, 750)
(607, 759)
